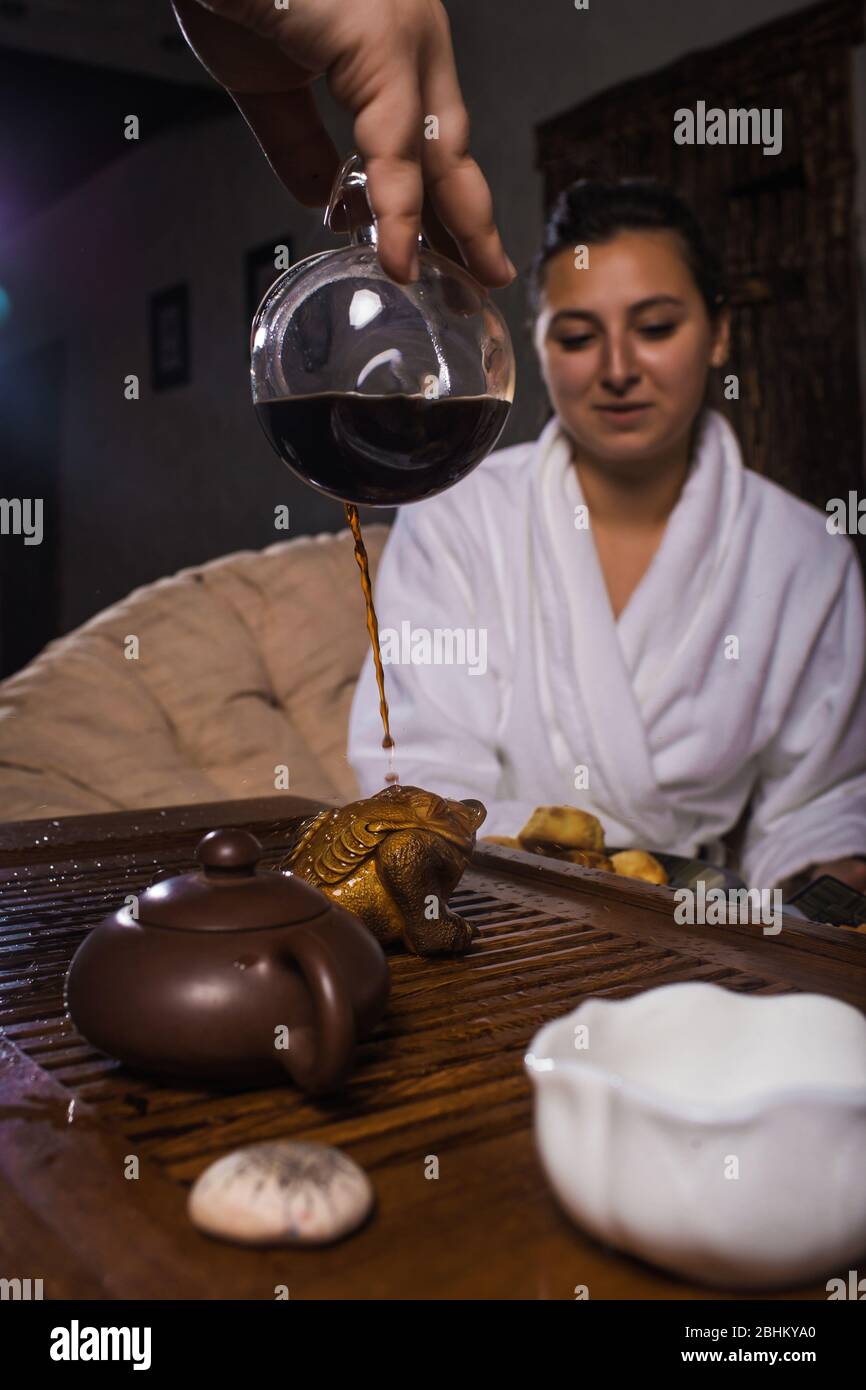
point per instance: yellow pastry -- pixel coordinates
(637, 863)
(565, 826)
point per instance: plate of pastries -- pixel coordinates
(567, 833)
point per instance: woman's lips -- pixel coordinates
(622, 414)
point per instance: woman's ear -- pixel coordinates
(721, 339)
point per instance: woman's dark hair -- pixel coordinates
(592, 211)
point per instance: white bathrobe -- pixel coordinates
(737, 669)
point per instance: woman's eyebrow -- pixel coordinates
(632, 308)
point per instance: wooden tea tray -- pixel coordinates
(442, 1077)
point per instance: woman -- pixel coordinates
(673, 642)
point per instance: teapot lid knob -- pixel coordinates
(228, 851)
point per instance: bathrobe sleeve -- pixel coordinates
(444, 716)
(809, 802)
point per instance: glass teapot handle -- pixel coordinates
(350, 198)
(319, 1059)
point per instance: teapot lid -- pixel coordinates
(228, 892)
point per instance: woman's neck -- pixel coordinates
(641, 499)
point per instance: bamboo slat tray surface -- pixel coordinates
(443, 1077)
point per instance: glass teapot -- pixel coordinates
(373, 392)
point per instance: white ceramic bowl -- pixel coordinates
(677, 1089)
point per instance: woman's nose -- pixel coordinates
(618, 370)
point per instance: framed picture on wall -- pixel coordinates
(264, 265)
(169, 338)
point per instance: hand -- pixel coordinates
(390, 62)
(851, 871)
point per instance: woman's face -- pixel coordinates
(625, 345)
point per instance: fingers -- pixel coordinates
(387, 133)
(456, 186)
(394, 76)
(438, 236)
(399, 161)
(463, 201)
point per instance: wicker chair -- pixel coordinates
(199, 687)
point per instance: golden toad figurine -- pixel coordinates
(393, 859)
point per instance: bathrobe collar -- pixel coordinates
(613, 668)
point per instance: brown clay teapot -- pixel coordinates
(230, 974)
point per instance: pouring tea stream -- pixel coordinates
(373, 392)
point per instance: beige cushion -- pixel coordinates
(244, 664)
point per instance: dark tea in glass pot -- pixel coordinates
(373, 392)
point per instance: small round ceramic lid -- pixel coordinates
(228, 892)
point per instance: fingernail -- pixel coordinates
(510, 267)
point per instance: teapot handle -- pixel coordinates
(323, 1060)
